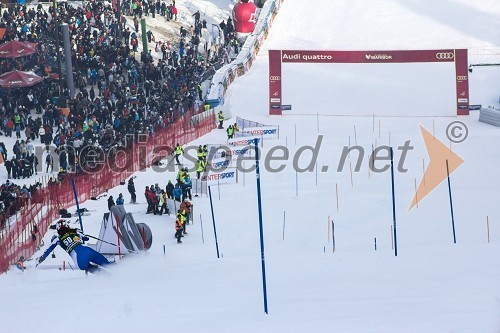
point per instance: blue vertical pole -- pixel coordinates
(77, 205)
(451, 203)
(394, 205)
(213, 220)
(259, 202)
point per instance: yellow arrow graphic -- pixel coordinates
(436, 170)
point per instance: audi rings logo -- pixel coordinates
(275, 78)
(462, 78)
(445, 55)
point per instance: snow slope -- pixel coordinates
(432, 286)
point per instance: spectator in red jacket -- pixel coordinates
(152, 201)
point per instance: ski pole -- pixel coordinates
(110, 243)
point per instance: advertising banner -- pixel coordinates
(457, 56)
(245, 141)
(401, 56)
(229, 176)
(219, 152)
(267, 132)
(274, 82)
(462, 77)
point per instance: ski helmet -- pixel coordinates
(61, 224)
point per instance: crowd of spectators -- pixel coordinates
(118, 92)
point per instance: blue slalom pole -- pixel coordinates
(213, 220)
(77, 205)
(394, 205)
(451, 203)
(259, 202)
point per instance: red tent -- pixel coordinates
(19, 79)
(15, 49)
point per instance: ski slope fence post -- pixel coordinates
(328, 225)
(423, 169)
(416, 193)
(213, 220)
(337, 194)
(164, 251)
(392, 238)
(350, 171)
(284, 221)
(333, 237)
(261, 229)
(316, 169)
(295, 134)
(451, 203)
(393, 205)
(218, 188)
(375, 240)
(296, 183)
(77, 205)
(201, 226)
(488, 228)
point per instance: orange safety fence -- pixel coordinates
(33, 219)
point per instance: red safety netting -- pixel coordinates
(34, 218)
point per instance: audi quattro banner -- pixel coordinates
(457, 56)
(245, 141)
(267, 132)
(228, 176)
(368, 56)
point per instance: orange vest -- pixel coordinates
(178, 224)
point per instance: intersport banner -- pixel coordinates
(245, 141)
(228, 176)
(221, 152)
(219, 164)
(267, 132)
